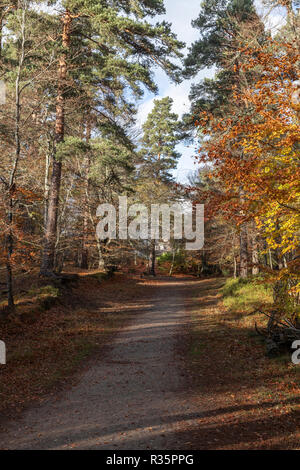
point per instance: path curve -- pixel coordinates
(135, 397)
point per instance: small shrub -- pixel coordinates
(45, 291)
(46, 296)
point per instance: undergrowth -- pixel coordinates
(245, 295)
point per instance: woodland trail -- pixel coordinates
(135, 396)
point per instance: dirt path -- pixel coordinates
(135, 397)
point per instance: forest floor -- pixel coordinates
(168, 368)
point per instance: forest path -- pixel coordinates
(135, 396)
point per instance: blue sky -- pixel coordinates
(180, 13)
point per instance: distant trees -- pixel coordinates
(162, 131)
(96, 40)
(24, 64)
(158, 157)
(250, 140)
(68, 143)
(74, 72)
(225, 26)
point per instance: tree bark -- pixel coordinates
(9, 248)
(234, 256)
(85, 250)
(46, 185)
(244, 251)
(48, 256)
(84, 263)
(153, 259)
(173, 262)
(11, 184)
(254, 249)
(243, 242)
(234, 267)
(278, 255)
(204, 265)
(101, 262)
(270, 258)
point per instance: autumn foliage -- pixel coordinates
(254, 149)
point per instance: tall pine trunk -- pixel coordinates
(11, 185)
(9, 250)
(85, 251)
(46, 183)
(48, 256)
(153, 259)
(84, 263)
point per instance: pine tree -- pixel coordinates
(110, 46)
(220, 24)
(162, 131)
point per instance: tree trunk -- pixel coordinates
(243, 241)
(173, 262)
(278, 254)
(11, 185)
(279, 259)
(46, 184)
(244, 251)
(48, 256)
(265, 254)
(51, 227)
(101, 262)
(235, 273)
(270, 258)
(204, 265)
(9, 248)
(255, 254)
(234, 267)
(85, 250)
(153, 259)
(84, 264)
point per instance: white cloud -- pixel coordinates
(179, 94)
(274, 18)
(180, 13)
